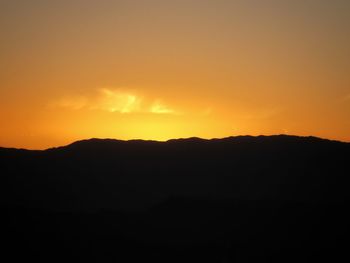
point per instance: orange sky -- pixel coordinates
(161, 69)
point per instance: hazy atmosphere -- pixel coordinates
(166, 69)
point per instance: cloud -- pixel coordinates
(160, 108)
(115, 100)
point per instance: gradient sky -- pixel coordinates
(160, 69)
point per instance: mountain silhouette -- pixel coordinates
(237, 199)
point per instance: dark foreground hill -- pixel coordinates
(238, 199)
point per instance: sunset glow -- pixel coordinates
(158, 70)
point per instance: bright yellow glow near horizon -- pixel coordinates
(151, 69)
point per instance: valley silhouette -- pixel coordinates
(237, 199)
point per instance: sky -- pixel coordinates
(162, 69)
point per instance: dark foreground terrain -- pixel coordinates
(238, 199)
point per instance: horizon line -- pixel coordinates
(176, 139)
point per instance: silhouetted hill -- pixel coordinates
(267, 198)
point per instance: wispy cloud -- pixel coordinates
(115, 100)
(159, 108)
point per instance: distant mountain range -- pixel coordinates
(238, 199)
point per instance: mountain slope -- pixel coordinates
(280, 197)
